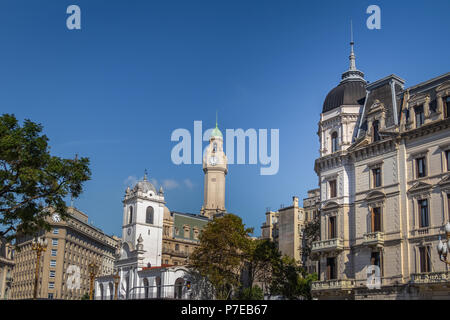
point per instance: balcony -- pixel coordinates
(431, 277)
(330, 245)
(179, 253)
(375, 239)
(335, 284)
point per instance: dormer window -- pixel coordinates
(420, 116)
(447, 107)
(375, 131)
(334, 142)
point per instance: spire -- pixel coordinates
(352, 73)
(216, 132)
(352, 53)
(216, 119)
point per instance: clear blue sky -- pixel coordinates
(116, 89)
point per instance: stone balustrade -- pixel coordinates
(335, 244)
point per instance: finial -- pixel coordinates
(352, 73)
(216, 118)
(145, 174)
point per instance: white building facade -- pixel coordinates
(385, 188)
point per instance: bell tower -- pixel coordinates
(215, 169)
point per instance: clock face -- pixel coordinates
(213, 161)
(56, 217)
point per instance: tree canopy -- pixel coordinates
(32, 180)
(224, 248)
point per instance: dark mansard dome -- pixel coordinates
(347, 92)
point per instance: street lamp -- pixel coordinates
(93, 269)
(116, 278)
(39, 245)
(444, 247)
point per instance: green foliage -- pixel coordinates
(85, 296)
(290, 280)
(224, 247)
(251, 293)
(264, 255)
(311, 233)
(31, 179)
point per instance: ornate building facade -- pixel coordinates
(384, 188)
(73, 244)
(156, 243)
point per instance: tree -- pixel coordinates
(262, 259)
(311, 233)
(32, 180)
(291, 281)
(220, 257)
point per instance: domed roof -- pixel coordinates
(145, 186)
(216, 132)
(347, 92)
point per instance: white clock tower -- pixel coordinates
(143, 210)
(215, 169)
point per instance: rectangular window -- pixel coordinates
(52, 273)
(55, 230)
(421, 167)
(54, 242)
(376, 177)
(420, 116)
(332, 184)
(53, 252)
(50, 295)
(376, 219)
(331, 268)
(52, 263)
(424, 253)
(51, 285)
(331, 227)
(423, 212)
(376, 260)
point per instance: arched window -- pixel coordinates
(146, 288)
(375, 129)
(149, 215)
(214, 147)
(130, 215)
(179, 288)
(334, 142)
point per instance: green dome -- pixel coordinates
(216, 132)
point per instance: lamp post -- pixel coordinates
(39, 245)
(93, 269)
(116, 278)
(444, 247)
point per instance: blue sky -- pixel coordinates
(137, 70)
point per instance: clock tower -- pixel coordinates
(215, 169)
